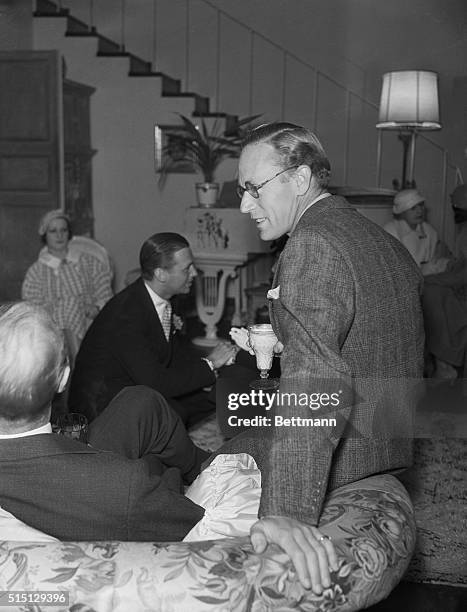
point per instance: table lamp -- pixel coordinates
(409, 104)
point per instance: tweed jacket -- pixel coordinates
(126, 346)
(75, 492)
(348, 313)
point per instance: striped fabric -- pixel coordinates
(68, 289)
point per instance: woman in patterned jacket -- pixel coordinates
(73, 285)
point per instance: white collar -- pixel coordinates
(157, 300)
(43, 429)
(54, 262)
(159, 303)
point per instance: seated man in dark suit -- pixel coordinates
(133, 340)
(78, 492)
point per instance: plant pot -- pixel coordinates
(207, 194)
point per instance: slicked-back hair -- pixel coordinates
(158, 252)
(32, 355)
(295, 146)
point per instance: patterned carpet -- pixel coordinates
(206, 434)
(437, 487)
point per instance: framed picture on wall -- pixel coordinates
(170, 152)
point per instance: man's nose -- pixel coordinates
(193, 272)
(248, 203)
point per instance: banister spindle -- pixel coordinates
(155, 16)
(252, 53)
(218, 61)
(445, 189)
(91, 15)
(348, 100)
(122, 26)
(315, 101)
(187, 45)
(284, 84)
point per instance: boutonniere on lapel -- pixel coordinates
(177, 323)
(273, 294)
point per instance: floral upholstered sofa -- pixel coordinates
(370, 522)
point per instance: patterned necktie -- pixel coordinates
(166, 319)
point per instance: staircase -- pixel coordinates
(137, 67)
(131, 98)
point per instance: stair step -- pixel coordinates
(201, 103)
(46, 8)
(107, 46)
(139, 67)
(170, 86)
(231, 125)
(75, 27)
(211, 114)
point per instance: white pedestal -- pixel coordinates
(222, 230)
(222, 239)
(215, 270)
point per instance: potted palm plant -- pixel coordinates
(204, 149)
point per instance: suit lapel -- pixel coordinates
(309, 217)
(274, 304)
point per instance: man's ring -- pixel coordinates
(325, 537)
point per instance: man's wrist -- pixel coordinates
(211, 365)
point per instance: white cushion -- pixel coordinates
(15, 530)
(229, 489)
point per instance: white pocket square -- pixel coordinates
(273, 294)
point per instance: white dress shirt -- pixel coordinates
(159, 303)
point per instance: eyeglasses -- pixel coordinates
(253, 189)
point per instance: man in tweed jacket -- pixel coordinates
(346, 307)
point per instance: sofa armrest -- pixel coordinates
(371, 524)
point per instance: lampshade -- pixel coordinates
(409, 98)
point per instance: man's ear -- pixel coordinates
(160, 274)
(64, 376)
(303, 179)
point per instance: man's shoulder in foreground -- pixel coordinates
(77, 496)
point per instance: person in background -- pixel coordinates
(445, 300)
(136, 340)
(419, 237)
(72, 285)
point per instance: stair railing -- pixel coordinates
(316, 75)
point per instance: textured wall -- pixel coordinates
(15, 24)
(355, 42)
